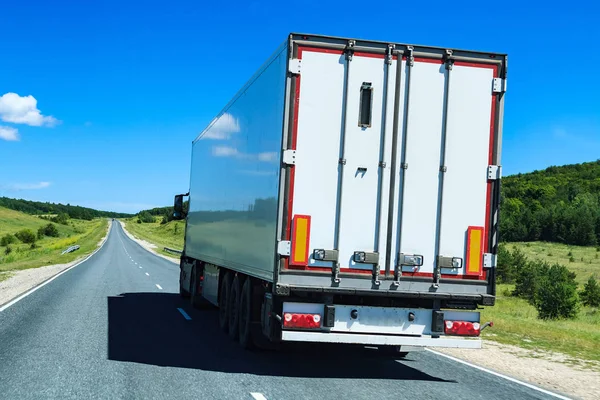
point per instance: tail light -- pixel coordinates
(462, 328)
(304, 321)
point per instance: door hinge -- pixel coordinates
(498, 85)
(494, 172)
(350, 50)
(410, 58)
(489, 260)
(289, 157)
(448, 60)
(389, 54)
(294, 66)
(284, 247)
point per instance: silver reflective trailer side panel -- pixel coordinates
(235, 177)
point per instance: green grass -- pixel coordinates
(86, 234)
(167, 235)
(559, 253)
(516, 323)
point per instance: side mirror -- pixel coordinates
(178, 207)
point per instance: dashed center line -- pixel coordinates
(147, 274)
(185, 315)
(258, 396)
(140, 267)
(158, 286)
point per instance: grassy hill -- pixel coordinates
(47, 250)
(40, 208)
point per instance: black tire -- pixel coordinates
(233, 307)
(182, 292)
(245, 316)
(224, 302)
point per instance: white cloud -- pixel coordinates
(23, 110)
(26, 186)
(8, 133)
(226, 151)
(267, 157)
(222, 128)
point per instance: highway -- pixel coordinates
(114, 327)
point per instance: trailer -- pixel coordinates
(349, 193)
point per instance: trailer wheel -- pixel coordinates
(224, 302)
(234, 307)
(245, 316)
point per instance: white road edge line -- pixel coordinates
(41, 285)
(258, 396)
(140, 267)
(530, 386)
(158, 286)
(185, 315)
(147, 274)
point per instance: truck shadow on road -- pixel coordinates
(147, 328)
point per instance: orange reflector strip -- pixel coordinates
(474, 250)
(300, 240)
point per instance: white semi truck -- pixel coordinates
(349, 194)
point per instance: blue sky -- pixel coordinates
(120, 89)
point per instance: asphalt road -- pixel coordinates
(110, 328)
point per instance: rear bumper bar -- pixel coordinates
(380, 340)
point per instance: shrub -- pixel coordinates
(62, 218)
(556, 293)
(505, 269)
(528, 279)
(570, 253)
(26, 236)
(33, 246)
(146, 217)
(48, 230)
(590, 296)
(8, 250)
(571, 259)
(7, 239)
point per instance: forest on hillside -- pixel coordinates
(40, 208)
(558, 204)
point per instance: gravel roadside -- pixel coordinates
(552, 371)
(24, 280)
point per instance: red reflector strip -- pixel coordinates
(461, 328)
(304, 321)
(474, 251)
(300, 240)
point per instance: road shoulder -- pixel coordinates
(147, 245)
(24, 280)
(552, 371)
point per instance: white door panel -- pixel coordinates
(318, 143)
(424, 136)
(467, 158)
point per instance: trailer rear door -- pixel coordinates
(391, 164)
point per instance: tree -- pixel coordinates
(528, 279)
(146, 217)
(26, 236)
(7, 239)
(48, 230)
(556, 294)
(590, 296)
